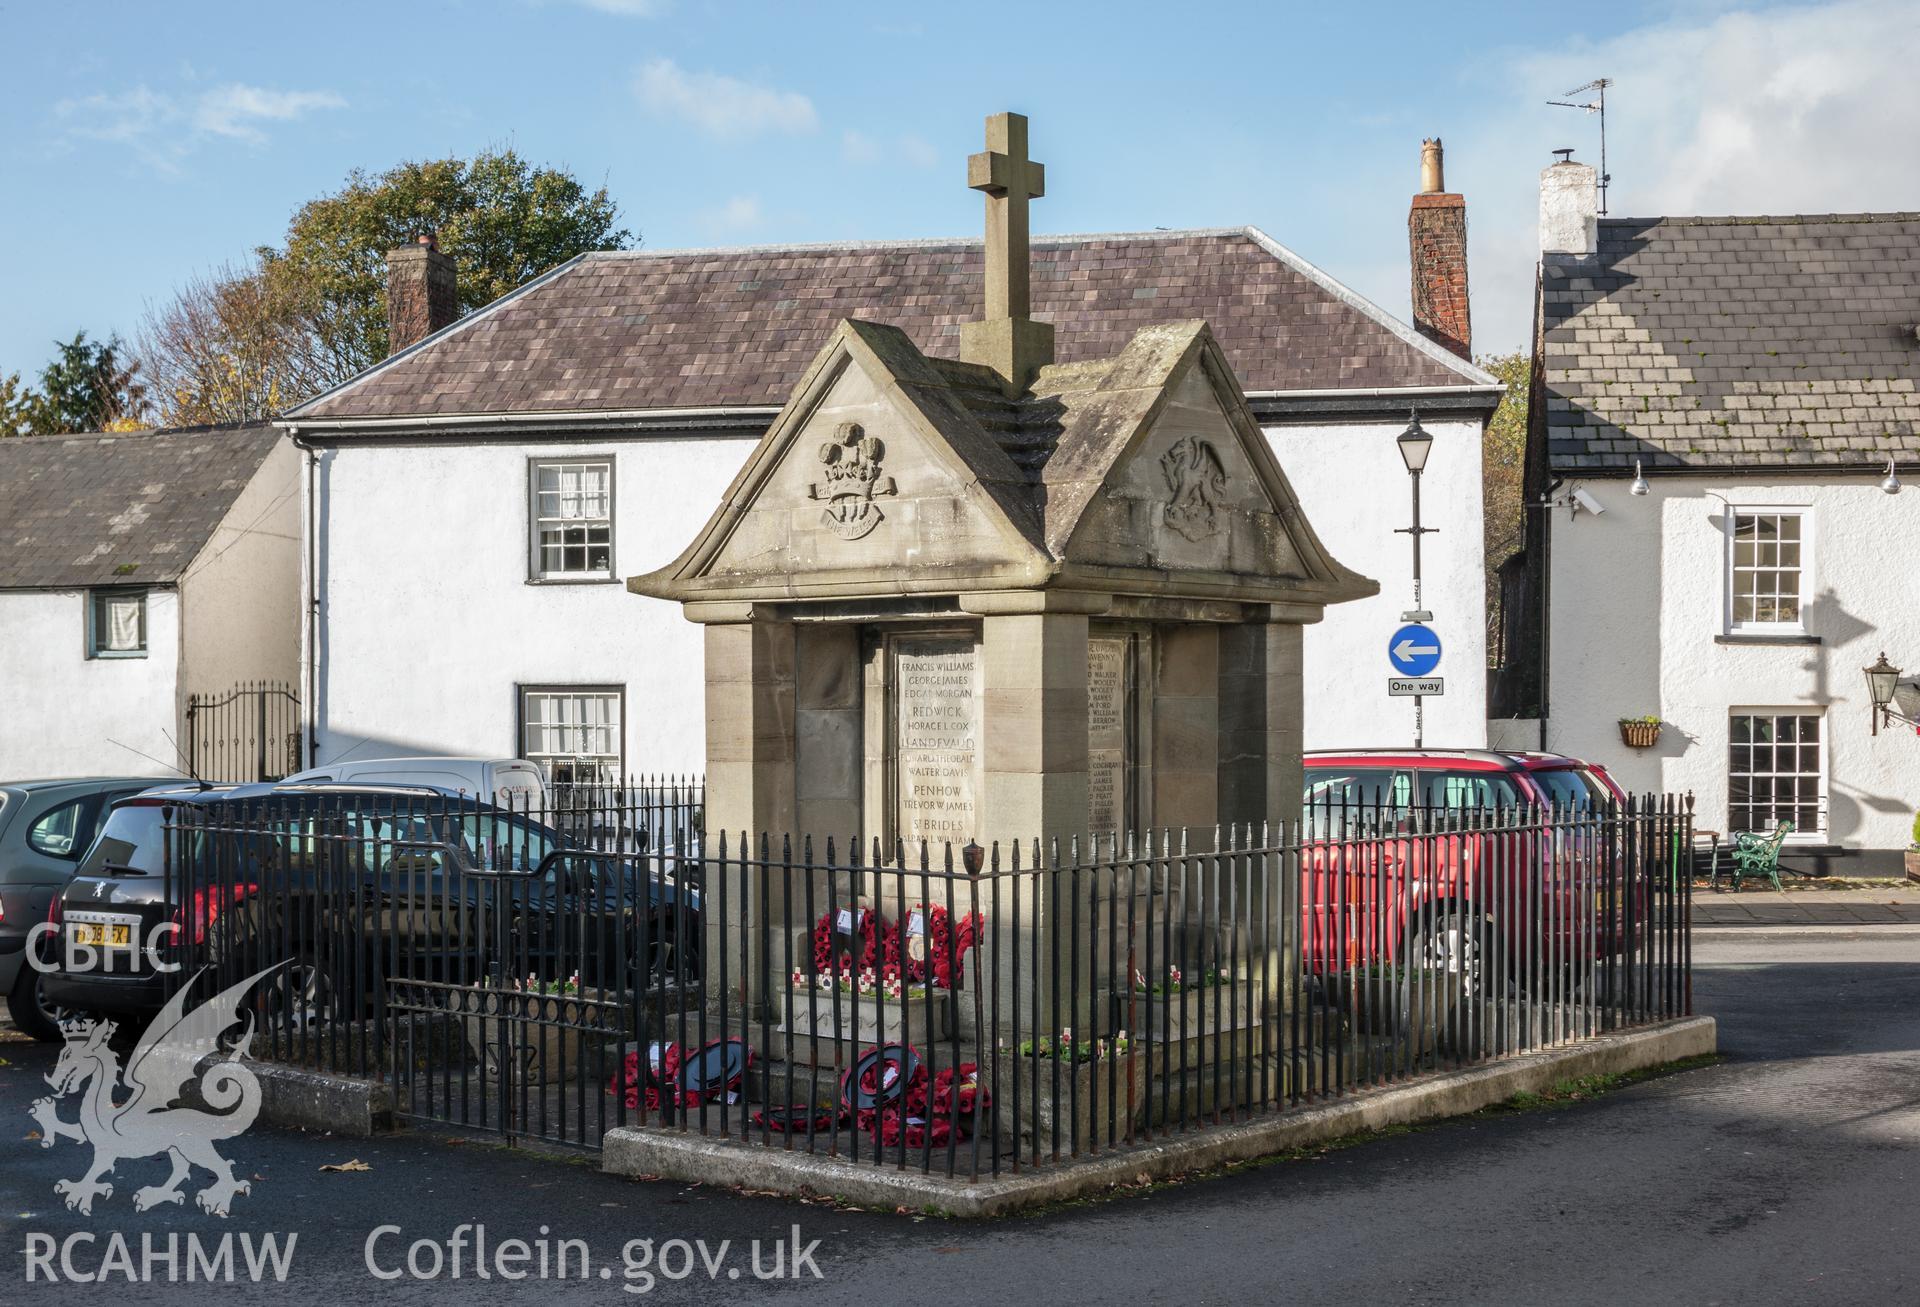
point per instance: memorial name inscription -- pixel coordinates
(936, 739)
(1107, 734)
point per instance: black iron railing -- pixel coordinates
(967, 1011)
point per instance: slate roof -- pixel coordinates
(1735, 342)
(735, 327)
(129, 509)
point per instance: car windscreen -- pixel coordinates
(1571, 787)
(132, 836)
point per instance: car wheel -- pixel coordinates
(303, 996)
(31, 1012)
(1453, 941)
(667, 953)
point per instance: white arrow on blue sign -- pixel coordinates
(1414, 650)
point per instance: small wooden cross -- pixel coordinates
(1010, 179)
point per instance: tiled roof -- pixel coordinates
(1735, 342)
(732, 328)
(118, 509)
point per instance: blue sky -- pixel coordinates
(144, 143)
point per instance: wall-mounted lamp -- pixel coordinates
(1892, 484)
(1639, 486)
(1883, 680)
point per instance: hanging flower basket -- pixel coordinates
(1640, 732)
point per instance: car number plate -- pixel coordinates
(102, 932)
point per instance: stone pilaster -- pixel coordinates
(1034, 742)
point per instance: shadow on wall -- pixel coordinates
(1837, 628)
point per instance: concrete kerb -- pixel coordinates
(647, 1153)
(316, 1100)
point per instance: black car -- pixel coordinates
(45, 827)
(348, 886)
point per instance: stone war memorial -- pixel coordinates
(1006, 601)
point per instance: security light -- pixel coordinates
(1639, 486)
(1892, 484)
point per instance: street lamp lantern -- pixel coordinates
(1883, 678)
(1415, 444)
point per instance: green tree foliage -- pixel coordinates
(18, 406)
(502, 220)
(1503, 456)
(89, 386)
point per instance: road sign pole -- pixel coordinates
(1419, 723)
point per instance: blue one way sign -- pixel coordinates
(1414, 650)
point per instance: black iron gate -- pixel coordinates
(249, 733)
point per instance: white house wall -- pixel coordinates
(429, 623)
(241, 595)
(1353, 486)
(1638, 596)
(64, 714)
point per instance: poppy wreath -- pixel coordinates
(654, 1086)
(628, 1082)
(947, 946)
(919, 1117)
(878, 940)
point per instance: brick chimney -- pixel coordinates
(420, 293)
(1437, 238)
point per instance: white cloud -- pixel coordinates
(860, 148)
(1805, 109)
(741, 213)
(234, 109)
(163, 128)
(721, 106)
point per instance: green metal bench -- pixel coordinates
(1758, 855)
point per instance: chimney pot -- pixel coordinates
(422, 295)
(1437, 241)
(1433, 172)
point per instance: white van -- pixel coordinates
(509, 782)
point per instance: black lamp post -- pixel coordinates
(1415, 444)
(1883, 678)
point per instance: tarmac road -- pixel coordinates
(1786, 1174)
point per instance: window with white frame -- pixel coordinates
(574, 733)
(572, 503)
(117, 624)
(1775, 771)
(1767, 569)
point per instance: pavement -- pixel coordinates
(1879, 907)
(1783, 1174)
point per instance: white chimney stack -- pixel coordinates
(1569, 207)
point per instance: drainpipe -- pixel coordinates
(1546, 604)
(309, 670)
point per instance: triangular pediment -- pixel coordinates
(1162, 476)
(875, 479)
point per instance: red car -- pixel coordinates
(1393, 870)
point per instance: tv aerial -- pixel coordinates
(1597, 105)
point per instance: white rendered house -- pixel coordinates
(138, 571)
(1721, 403)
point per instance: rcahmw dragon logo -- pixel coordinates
(163, 1065)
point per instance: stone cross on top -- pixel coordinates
(1009, 341)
